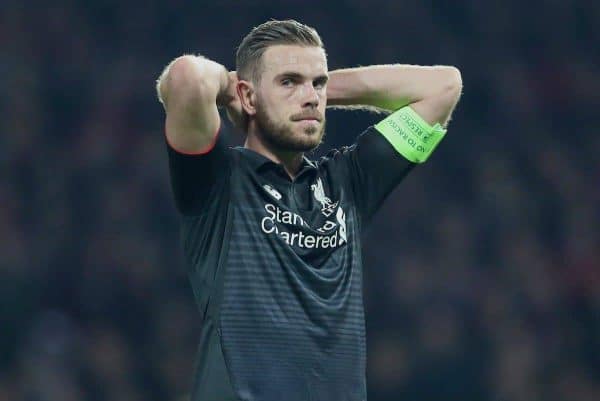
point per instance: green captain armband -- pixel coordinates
(410, 135)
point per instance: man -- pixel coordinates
(272, 239)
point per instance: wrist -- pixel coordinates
(224, 95)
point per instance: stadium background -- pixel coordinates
(481, 270)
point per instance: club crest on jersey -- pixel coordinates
(272, 191)
(327, 206)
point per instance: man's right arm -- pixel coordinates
(190, 89)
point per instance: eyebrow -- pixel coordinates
(295, 75)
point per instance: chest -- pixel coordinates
(312, 212)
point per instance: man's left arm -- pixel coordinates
(421, 100)
(431, 91)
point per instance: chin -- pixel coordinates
(292, 137)
(312, 139)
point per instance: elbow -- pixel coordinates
(450, 88)
(454, 83)
(183, 66)
(455, 75)
(182, 71)
(184, 78)
(446, 101)
(174, 77)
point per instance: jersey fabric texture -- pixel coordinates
(275, 267)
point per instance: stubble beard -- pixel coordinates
(282, 137)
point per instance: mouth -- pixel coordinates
(307, 117)
(308, 121)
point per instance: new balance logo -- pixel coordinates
(272, 191)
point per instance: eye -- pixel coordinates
(287, 82)
(319, 84)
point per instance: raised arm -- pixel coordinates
(190, 89)
(431, 91)
(385, 153)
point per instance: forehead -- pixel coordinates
(304, 60)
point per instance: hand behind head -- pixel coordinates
(230, 100)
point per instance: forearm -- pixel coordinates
(390, 87)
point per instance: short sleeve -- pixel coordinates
(198, 179)
(375, 169)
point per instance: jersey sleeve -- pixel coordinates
(198, 179)
(375, 169)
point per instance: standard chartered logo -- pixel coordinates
(269, 225)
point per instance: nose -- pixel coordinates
(310, 96)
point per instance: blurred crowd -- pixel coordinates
(481, 270)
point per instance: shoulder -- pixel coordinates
(341, 153)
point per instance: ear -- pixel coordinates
(247, 95)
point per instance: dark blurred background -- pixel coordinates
(481, 271)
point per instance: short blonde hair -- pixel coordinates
(270, 33)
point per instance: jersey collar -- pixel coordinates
(257, 160)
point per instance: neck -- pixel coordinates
(290, 160)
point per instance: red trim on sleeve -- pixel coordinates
(200, 152)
